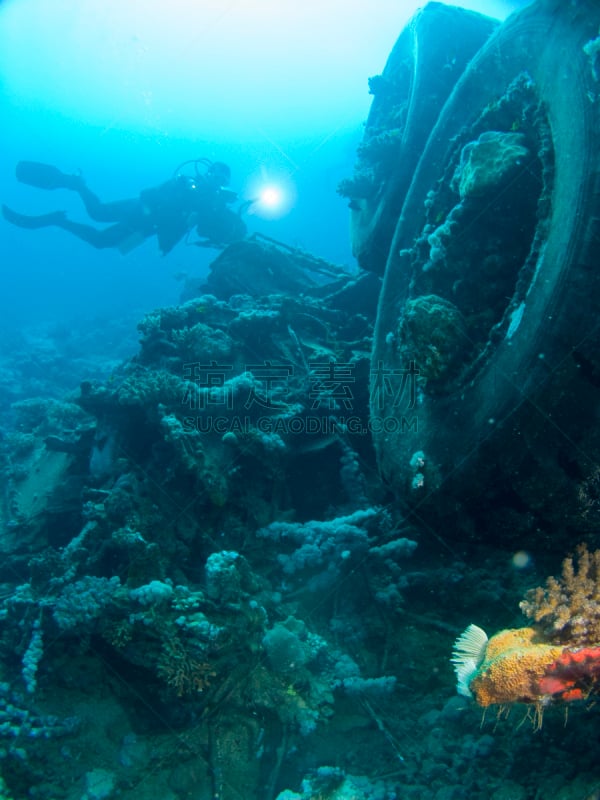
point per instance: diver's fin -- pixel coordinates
(45, 176)
(31, 222)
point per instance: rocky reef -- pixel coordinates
(207, 588)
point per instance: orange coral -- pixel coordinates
(513, 665)
(567, 609)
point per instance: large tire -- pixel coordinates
(427, 60)
(492, 285)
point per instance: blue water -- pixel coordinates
(52, 275)
(125, 93)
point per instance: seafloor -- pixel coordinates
(209, 591)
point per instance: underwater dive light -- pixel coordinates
(272, 197)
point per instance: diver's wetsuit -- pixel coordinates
(131, 226)
(168, 211)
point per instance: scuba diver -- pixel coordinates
(170, 211)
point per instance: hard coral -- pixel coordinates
(567, 609)
(181, 670)
(489, 162)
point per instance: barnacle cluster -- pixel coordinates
(567, 609)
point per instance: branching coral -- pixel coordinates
(567, 609)
(182, 671)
